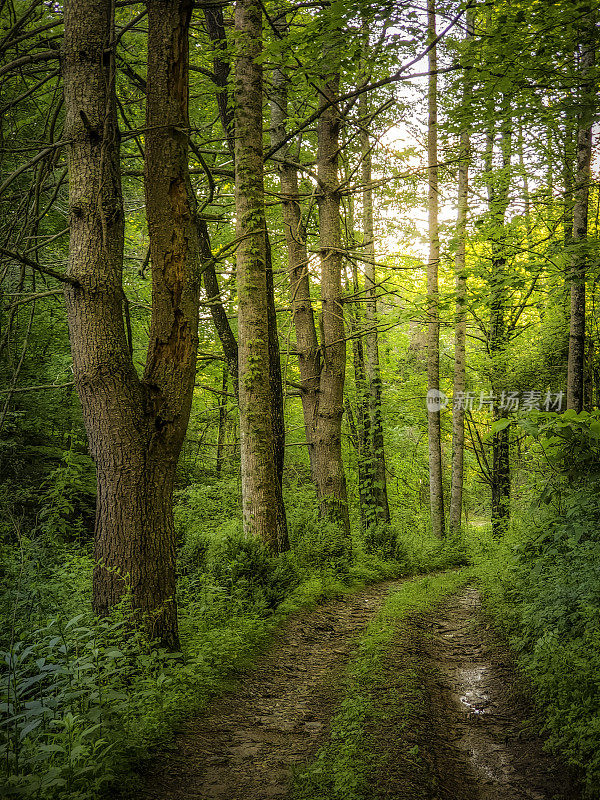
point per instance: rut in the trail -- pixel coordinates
(245, 746)
(471, 725)
(486, 746)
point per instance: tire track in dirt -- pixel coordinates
(246, 744)
(466, 732)
(487, 745)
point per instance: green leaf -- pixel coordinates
(500, 424)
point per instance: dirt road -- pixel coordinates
(470, 724)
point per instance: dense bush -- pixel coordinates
(543, 585)
(254, 578)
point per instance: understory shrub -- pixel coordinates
(254, 578)
(543, 585)
(83, 699)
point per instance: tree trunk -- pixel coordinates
(328, 434)
(436, 489)
(277, 411)
(259, 477)
(307, 345)
(322, 370)
(373, 371)
(580, 256)
(498, 194)
(216, 30)
(362, 434)
(222, 421)
(135, 428)
(215, 27)
(460, 325)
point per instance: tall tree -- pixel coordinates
(328, 434)
(373, 371)
(307, 344)
(135, 426)
(436, 487)
(215, 25)
(259, 477)
(498, 187)
(460, 325)
(321, 363)
(579, 257)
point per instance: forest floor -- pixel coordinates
(471, 725)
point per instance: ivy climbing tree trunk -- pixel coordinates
(371, 347)
(135, 427)
(436, 488)
(460, 324)
(579, 254)
(259, 476)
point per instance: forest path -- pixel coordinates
(472, 727)
(246, 744)
(467, 721)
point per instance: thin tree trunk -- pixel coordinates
(307, 345)
(362, 439)
(277, 411)
(215, 27)
(222, 421)
(216, 30)
(135, 428)
(322, 370)
(498, 192)
(259, 476)
(436, 490)
(373, 371)
(460, 326)
(569, 155)
(580, 257)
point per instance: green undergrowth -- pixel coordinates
(84, 702)
(343, 767)
(542, 586)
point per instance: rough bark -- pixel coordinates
(259, 478)
(460, 324)
(307, 345)
(436, 489)
(328, 433)
(135, 427)
(580, 256)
